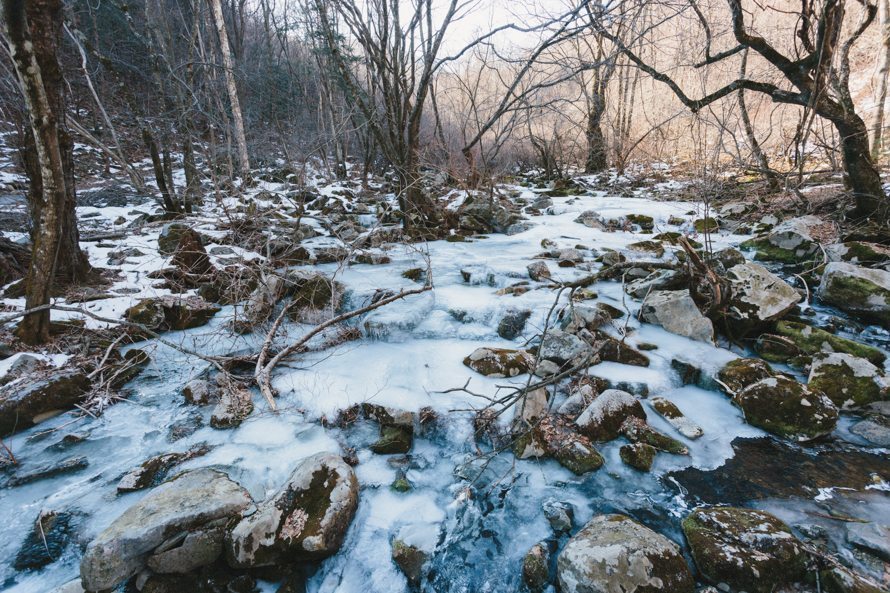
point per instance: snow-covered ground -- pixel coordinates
(411, 353)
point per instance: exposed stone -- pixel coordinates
(758, 297)
(672, 414)
(306, 520)
(859, 253)
(563, 348)
(742, 372)
(190, 256)
(847, 380)
(170, 236)
(235, 404)
(861, 291)
(560, 515)
(602, 419)
(876, 433)
(538, 271)
(615, 554)
(187, 502)
(811, 340)
(873, 538)
(677, 313)
(748, 550)
(499, 362)
(791, 241)
(188, 550)
(786, 408)
(572, 450)
(536, 568)
(172, 313)
(153, 471)
(580, 317)
(511, 325)
(410, 560)
(200, 392)
(486, 214)
(659, 280)
(637, 431)
(638, 455)
(50, 470)
(24, 403)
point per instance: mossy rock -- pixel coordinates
(393, 439)
(748, 550)
(811, 340)
(414, 274)
(861, 291)
(639, 456)
(706, 225)
(766, 251)
(536, 568)
(313, 291)
(780, 349)
(653, 247)
(637, 431)
(646, 223)
(410, 560)
(499, 362)
(742, 372)
(784, 407)
(860, 253)
(848, 380)
(579, 457)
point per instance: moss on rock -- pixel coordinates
(742, 372)
(811, 340)
(784, 407)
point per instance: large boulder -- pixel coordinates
(791, 241)
(808, 341)
(184, 504)
(861, 291)
(746, 549)
(848, 380)
(602, 419)
(306, 520)
(676, 312)
(615, 554)
(499, 362)
(486, 214)
(859, 253)
(758, 297)
(784, 407)
(25, 403)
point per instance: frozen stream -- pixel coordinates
(413, 350)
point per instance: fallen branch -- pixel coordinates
(263, 372)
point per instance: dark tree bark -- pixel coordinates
(820, 81)
(33, 28)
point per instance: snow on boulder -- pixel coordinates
(499, 362)
(784, 407)
(758, 297)
(847, 380)
(564, 348)
(614, 553)
(792, 241)
(740, 547)
(306, 520)
(184, 504)
(676, 312)
(602, 419)
(861, 291)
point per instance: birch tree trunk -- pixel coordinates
(237, 119)
(33, 30)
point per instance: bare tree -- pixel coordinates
(33, 29)
(818, 77)
(400, 57)
(877, 131)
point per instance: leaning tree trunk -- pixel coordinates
(877, 140)
(862, 174)
(33, 29)
(232, 89)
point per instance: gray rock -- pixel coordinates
(873, 432)
(857, 290)
(25, 403)
(874, 538)
(560, 515)
(676, 312)
(657, 280)
(499, 362)
(235, 404)
(580, 317)
(199, 392)
(847, 380)
(758, 297)
(188, 551)
(307, 519)
(511, 325)
(615, 554)
(563, 348)
(187, 502)
(672, 414)
(538, 271)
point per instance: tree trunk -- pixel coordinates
(756, 151)
(862, 174)
(596, 141)
(33, 29)
(420, 215)
(877, 139)
(232, 89)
